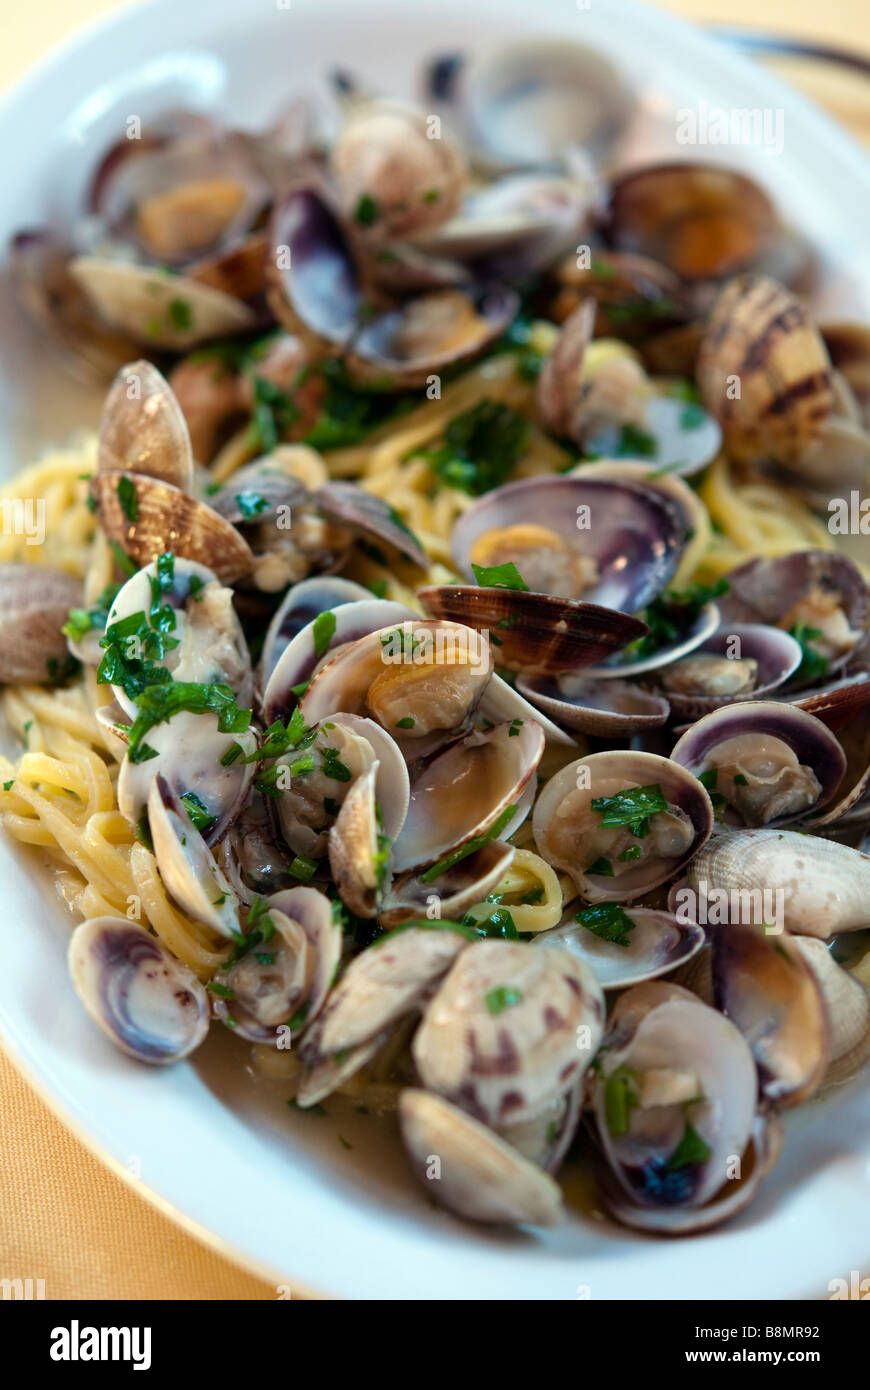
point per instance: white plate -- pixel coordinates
(274, 1187)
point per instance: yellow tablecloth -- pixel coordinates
(64, 1217)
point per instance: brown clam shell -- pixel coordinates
(34, 604)
(535, 632)
(167, 519)
(764, 371)
(142, 427)
(700, 220)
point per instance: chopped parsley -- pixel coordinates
(632, 807)
(813, 665)
(505, 576)
(601, 866)
(367, 211)
(471, 846)
(322, 632)
(501, 998)
(482, 447)
(197, 811)
(691, 1149)
(251, 505)
(608, 921)
(128, 499)
(273, 414)
(620, 1097)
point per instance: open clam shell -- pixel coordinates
(533, 631)
(702, 221)
(816, 589)
(630, 533)
(264, 990)
(684, 439)
(694, 630)
(668, 1063)
(156, 309)
(142, 429)
(208, 644)
(773, 653)
(34, 605)
(657, 944)
(615, 862)
(480, 1176)
(302, 603)
(310, 645)
(422, 680)
(847, 1008)
(759, 1157)
(149, 1004)
(466, 793)
(467, 882)
(604, 709)
(698, 531)
(772, 762)
(317, 291)
(190, 749)
(527, 105)
(366, 515)
(156, 518)
(187, 868)
(382, 985)
(354, 744)
(762, 983)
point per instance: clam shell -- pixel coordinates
(480, 1176)
(623, 667)
(367, 515)
(659, 943)
(145, 432)
(276, 988)
(825, 886)
(143, 301)
(145, 1001)
(702, 221)
(462, 793)
(641, 769)
(759, 335)
(169, 520)
(302, 603)
(761, 1153)
(634, 534)
(809, 739)
(380, 986)
(604, 709)
(761, 982)
(458, 888)
(535, 632)
(500, 1038)
(34, 605)
(847, 1007)
(778, 656)
(297, 663)
(661, 1028)
(187, 868)
(528, 104)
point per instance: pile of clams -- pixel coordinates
(560, 848)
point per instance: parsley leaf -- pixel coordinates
(631, 807)
(608, 921)
(482, 447)
(505, 576)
